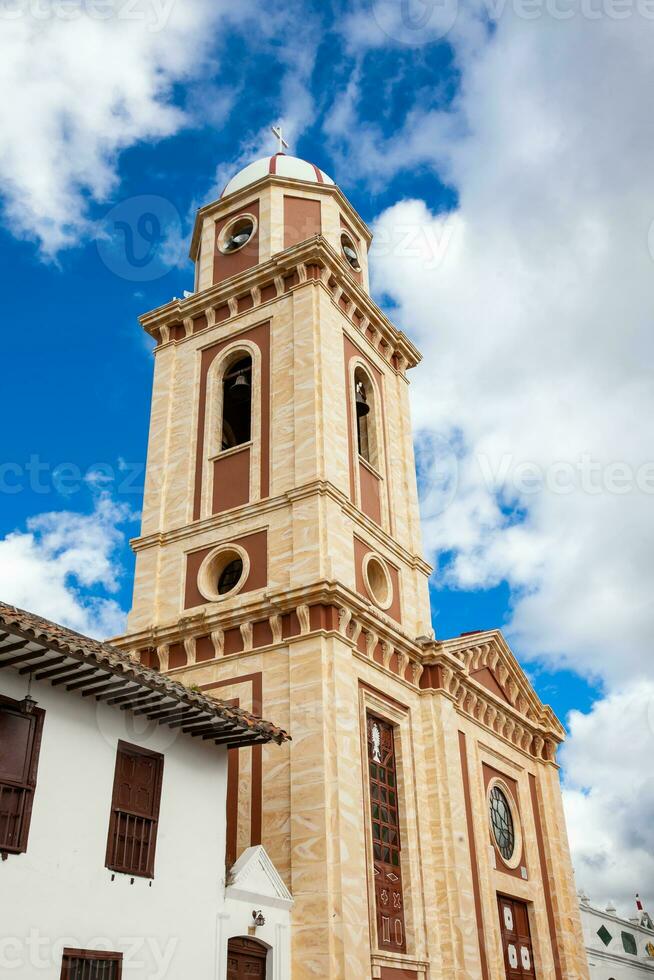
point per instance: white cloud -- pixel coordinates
(78, 89)
(609, 797)
(532, 305)
(49, 568)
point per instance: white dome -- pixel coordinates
(280, 164)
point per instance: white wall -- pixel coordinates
(255, 885)
(612, 961)
(60, 894)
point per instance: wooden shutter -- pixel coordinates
(386, 846)
(85, 964)
(20, 742)
(135, 811)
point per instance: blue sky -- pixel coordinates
(509, 186)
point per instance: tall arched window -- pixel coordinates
(237, 404)
(366, 421)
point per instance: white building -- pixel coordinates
(618, 949)
(112, 821)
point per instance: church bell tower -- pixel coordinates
(279, 566)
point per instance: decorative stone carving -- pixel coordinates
(232, 302)
(355, 632)
(246, 633)
(402, 662)
(371, 642)
(218, 640)
(255, 293)
(387, 653)
(210, 314)
(189, 647)
(304, 619)
(163, 654)
(344, 617)
(275, 623)
(402, 362)
(187, 323)
(416, 672)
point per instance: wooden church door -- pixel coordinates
(246, 960)
(516, 939)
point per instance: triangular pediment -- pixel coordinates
(489, 662)
(485, 676)
(255, 878)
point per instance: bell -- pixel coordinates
(240, 390)
(362, 405)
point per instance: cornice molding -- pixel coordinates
(522, 720)
(260, 507)
(391, 344)
(426, 666)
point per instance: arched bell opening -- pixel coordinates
(364, 400)
(237, 403)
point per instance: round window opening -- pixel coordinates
(502, 823)
(350, 252)
(223, 573)
(237, 234)
(230, 576)
(378, 582)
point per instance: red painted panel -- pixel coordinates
(231, 480)
(370, 493)
(301, 220)
(225, 266)
(255, 544)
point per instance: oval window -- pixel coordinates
(378, 581)
(502, 823)
(230, 576)
(237, 234)
(350, 252)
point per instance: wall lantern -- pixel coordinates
(28, 704)
(258, 918)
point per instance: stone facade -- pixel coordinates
(331, 620)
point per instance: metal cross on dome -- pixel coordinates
(278, 133)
